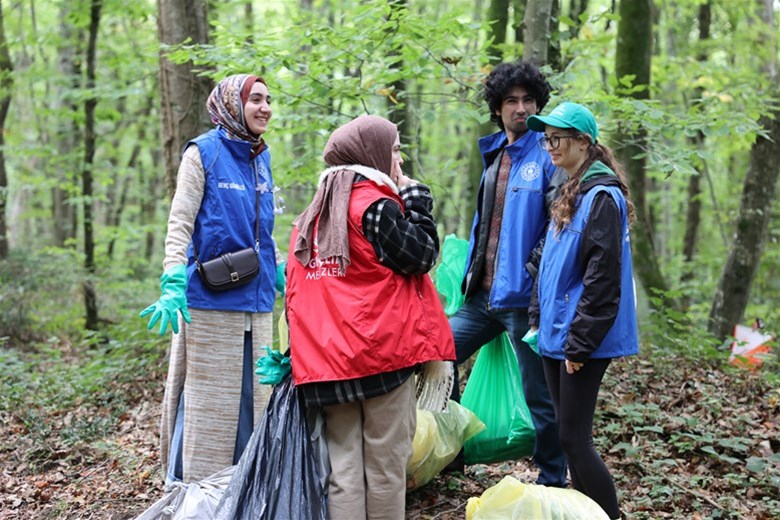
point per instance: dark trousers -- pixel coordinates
(574, 397)
(473, 326)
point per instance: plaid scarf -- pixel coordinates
(226, 107)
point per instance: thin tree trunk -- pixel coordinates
(632, 57)
(693, 213)
(554, 42)
(249, 22)
(576, 9)
(90, 296)
(151, 195)
(518, 7)
(303, 139)
(736, 279)
(64, 215)
(399, 106)
(498, 15)
(183, 92)
(692, 219)
(6, 82)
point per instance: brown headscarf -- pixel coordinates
(365, 141)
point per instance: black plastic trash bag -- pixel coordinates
(277, 476)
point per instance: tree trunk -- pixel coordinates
(183, 92)
(90, 297)
(6, 82)
(151, 195)
(693, 213)
(758, 193)
(498, 15)
(399, 105)
(692, 218)
(519, 19)
(554, 42)
(537, 31)
(736, 279)
(64, 215)
(632, 57)
(576, 9)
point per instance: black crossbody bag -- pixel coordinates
(236, 268)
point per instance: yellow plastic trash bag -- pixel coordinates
(510, 499)
(438, 438)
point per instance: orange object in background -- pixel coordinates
(749, 345)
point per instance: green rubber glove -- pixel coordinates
(272, 367)
(281, 277)
(532, 338)
(173, 283)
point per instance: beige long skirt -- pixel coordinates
(206, 365)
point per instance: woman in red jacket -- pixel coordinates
(363, 313)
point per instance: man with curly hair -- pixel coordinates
(515, 191)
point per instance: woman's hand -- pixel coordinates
(399, 178)
(397, 175)
(572, 366)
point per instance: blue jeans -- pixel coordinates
(474, 325)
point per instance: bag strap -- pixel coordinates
(257, 217)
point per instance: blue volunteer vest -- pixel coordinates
(226, 222)
(523, 221)
(560, 285)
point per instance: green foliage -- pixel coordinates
(37, 290)
(62, 393)
(668, 330)
(333, 61)
(351, 65)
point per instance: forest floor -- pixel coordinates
(684, 439)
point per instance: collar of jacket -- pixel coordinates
(491, 145)
(237, 147)
(599, 174)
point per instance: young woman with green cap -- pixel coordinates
(587, 315)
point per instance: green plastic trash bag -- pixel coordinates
(510, 499)
(494, 392)
(449, 275)
(438, 438)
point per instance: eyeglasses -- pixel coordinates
(554, 141)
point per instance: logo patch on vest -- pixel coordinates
(530, 171)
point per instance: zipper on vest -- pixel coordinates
(422, 304)
(256, 230)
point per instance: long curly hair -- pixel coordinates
(565, 204)
(505, 77)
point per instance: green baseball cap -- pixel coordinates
(567, 115)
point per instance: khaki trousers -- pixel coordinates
(369, 445)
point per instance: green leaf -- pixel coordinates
(756, 464)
